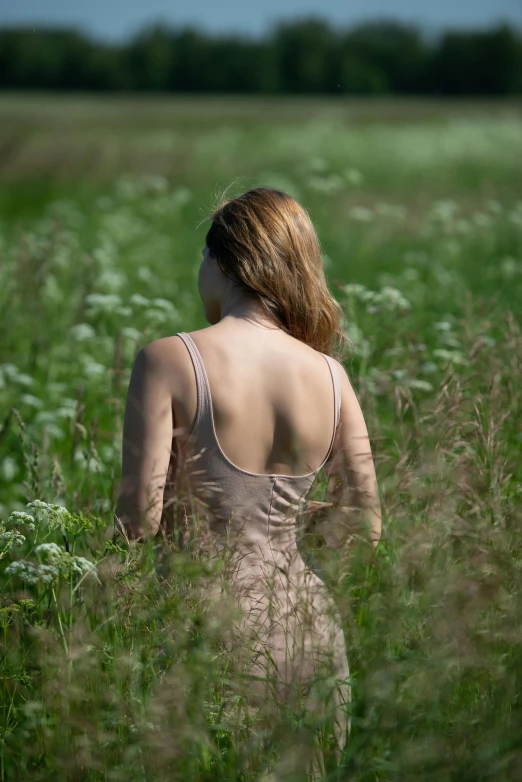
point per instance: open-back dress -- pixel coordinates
(289, 619)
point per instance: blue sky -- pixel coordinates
(117, 19)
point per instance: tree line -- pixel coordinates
(307, 56)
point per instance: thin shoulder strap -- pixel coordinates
(204, 411)
(336, 387)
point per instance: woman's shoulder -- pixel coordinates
(166, 359)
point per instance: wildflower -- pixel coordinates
(392, 299)
(450, 356)
(102, 302)
(82, 331)
(131, 333)
(482, 220)
(112, 280)
(45, 417)
(361, 213)
(86, 462)
(81, 565)
(21, 517)
(396, 211)
(33, 573)
(68, 408)
(14, 375)
(144, 274)
(510, 267)
(495, 206)
(139, 301)
(50, 551)
(359, 291)
(30, 400)
(419, 385)
(163, 304)
(92, 368)
(326, 184)
(429, 368)
(156, 317)
(9, 468)
(444, 210)
(10, 539)
(353, 176)
(51, 516)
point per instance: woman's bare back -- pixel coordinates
(271, 395)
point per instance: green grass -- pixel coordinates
(419, 214)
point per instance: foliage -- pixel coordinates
(113, 657)
(304, 56)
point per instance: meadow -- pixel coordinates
(111, 671)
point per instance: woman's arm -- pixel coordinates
(352, 485)
(147, 442)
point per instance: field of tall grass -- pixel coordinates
(116, 669)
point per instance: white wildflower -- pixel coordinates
(51, 290)
(144, 274)
(81, 565)
(82, 332)
(9, 468)
(443, 211)
(92, 369)
(139, 301)
(359, 291)
(156, 317)
(30, 400)
(86, 462)
(463, 226)
(495, 206)
(510, 267)
(361, 213)
(450, 356)
(21, 379)
(482, 220)
(328, 184)
(131, 333)
(429, 368)
(353, 176)
(396, 211)
(21, 517)
(52, 516)
(163, 304)
(419, 385)
(515, 217)
(11, 538)
(317, 164)
(56, 387)
(33, 573)
(45, 417)
(111, 280)
(50, 551)
(393, 299)
(102, 302)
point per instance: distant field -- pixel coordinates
(418, 206)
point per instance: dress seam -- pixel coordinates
(274, 481)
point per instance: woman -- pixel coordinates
(250, 409)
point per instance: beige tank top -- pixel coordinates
(265, 505)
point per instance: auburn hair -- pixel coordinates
(265, 242)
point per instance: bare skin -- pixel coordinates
(273, 408)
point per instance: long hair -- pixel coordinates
(265, 242)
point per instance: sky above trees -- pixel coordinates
(117, 19)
